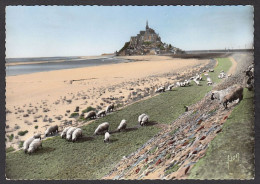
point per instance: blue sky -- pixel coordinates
(44, 31)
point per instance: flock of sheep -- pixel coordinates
(74, 133)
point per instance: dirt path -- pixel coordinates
(233, 68)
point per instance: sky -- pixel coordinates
(46, 31)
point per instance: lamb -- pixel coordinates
(76, 134)
(209, 81)
(160, 89)
(101, 113)
(36, 143)
(237, 93)
(37, 136)
(27, 143)
(101, 128)
(107, 137)
(110, 108)
(122, 125)
(90, 115)
(70, 132)
(64, 132)
(51, 130)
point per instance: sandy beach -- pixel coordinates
(36, 101)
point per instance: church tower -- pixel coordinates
(147, 27)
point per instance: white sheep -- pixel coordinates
(141, 117)
(122, 125)
(107, 137)
(110, 108)
(101, 128)
(160, 89)
(51, 130)
(69, 133)
(211, 70)
(36, 143)
(197, 82)
(90, 114)
(64, 132)
(101, 113)
(76, 134)
(169, 88)
(145, 120)
(27, 143)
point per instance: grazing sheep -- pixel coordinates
(101, 113)
(160, 89)
(101, 128)
(110, 108)
(197, 82)
(36, 143)
(122, 125)
(64, 132)
(141, 117)
(210, 83)
(144, 120)
(186, 108)
(211, 70)
(192, 78)
(236, 93)
(187, 82)
(70, 132)
(90, 115)
(107, 137)
(51, 130)
(27, 143)
(76, 134)
(221, 75)
(37, 136)
(170, 87)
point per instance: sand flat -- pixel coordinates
(85, 87)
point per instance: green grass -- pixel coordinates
(10, 149)
(236, 138)
(36, 127)
(22, 133)
(21, 144)
(74, 115)
(92, 159)
(10, 137)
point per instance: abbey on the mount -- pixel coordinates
(147, 42)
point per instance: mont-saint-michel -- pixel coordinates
(175, 102)
(147, 42)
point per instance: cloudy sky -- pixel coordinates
(44, 31)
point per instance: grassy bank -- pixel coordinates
(90, 158)
(231, 154)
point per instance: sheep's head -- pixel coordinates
(212, 96)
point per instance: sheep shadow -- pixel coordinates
(85, 138)
(112, 140)
(151, 123)
(43, 150)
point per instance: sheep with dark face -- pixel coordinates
(36, 143)
(101, 113)
(110, 108)
(236, 93)
(90, 115)
(37, 136)
(70, 132)
(107, 137)
(141, 117)
(51, 130)
(27, 143)
(101, 128)
(76, 134)
(64, 132)
(122, 125)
